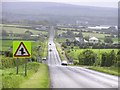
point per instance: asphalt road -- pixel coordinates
(73, 76)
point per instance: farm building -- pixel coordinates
(99, 27)
(79, 39)
(93, 40)
(85, 41)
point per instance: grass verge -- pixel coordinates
(11, 80)
(39, 80)
(58, 47)
(108, 70)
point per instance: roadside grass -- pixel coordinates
(59, 49)
(11, 80)
(39, 80)
(45, 49)
(108, 70)
(0, 79)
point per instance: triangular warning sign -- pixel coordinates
(21, 51)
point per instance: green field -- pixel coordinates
(91, 34)
(11, 25)
(61, 40)
(59, 49)
(61, 31)
(6, 44)
(22, 30)
(97, 35)
(75, 52)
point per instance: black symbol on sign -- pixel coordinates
(22, 51)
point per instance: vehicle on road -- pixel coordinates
(64, 63)
(50, 50)
(44, 59)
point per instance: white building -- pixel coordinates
(34, 35)
(81, 40)
(99, 27)
(93, 40)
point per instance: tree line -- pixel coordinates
(107, 59)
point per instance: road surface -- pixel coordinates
(73, 76)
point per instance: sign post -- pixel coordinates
(17, 66)
(26, 67)
(22, 49)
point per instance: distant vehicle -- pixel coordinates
(50, 50)
(44, 59)
(64, 63)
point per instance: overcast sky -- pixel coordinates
(99, 3)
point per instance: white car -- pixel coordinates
(44, 59)
(64, 63)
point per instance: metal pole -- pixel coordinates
(26, 67)
(17, 65)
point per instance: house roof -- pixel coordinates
(77, 39)
(85, 41)
(93, 38)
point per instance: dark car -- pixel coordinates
(50, 50)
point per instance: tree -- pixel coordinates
(118, 58)
(68, 42)
(4, 33)
(112, 57)
(80, 35)
(86, 38)
(64, 45)
(108, 59)
(28, 32)
(103, 59)
(108, 40)
(87, 57)
(70, 34)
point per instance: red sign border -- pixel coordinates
(21, 55)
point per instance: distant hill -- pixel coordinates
(57, 12)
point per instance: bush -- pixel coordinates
(87, 57)
(8, 54)
(108, 59)
(75, 63)
(8, 62)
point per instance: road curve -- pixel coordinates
(73, 76)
